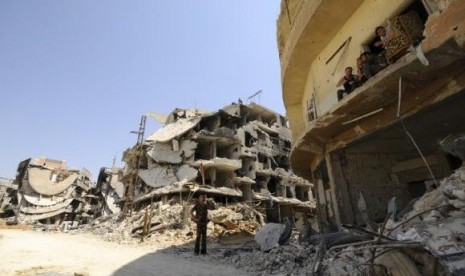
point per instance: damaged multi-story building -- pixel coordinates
(381, 140)
(48, 192)
(239, 153)
(7, 188)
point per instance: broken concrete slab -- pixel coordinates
(158, 176)
(173, 130)
(186, 173)
(220, 163)
(163, 153)
(45, 182)
(268, 236)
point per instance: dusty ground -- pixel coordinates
(25, 252)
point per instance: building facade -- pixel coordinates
(381, 139)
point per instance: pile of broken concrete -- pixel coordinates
(426, 238)
(169, 224)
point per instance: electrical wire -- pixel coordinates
(409, 135)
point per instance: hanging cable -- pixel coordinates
(401, 120)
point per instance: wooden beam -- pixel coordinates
(414, 164)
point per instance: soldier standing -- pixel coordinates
(199, 214)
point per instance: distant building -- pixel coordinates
(366, 142)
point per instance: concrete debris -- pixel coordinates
(111, 188)
(438, 222)
(169, 224)
(429, 239)
(7, 190)
(268, 236)
(455, 145)
(425, 240)
(291, 259)
(46, 192)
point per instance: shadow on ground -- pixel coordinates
(180, 260)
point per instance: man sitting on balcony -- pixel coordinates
(349, 81)
(369, 64)
(363, 67)
(382, 40)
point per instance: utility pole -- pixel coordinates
(134, 167)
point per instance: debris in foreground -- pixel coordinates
(427, 240)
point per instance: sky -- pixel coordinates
(77, 75)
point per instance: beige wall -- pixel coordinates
(322, 77)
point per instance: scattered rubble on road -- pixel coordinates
(169, 225)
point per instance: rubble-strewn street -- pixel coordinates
(357, 168)
(233, 224)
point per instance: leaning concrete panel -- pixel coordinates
(188, 148)
(32, 218)
(186, 173)
(174, 130)
(118, 186)
(220, 163)
(39, 180)
(163, 153)
(46, 209)
(36, 199)
(158, 176)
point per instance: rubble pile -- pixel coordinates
(437, 221)
(170, 224)
(426, 238)
(291, 259)
(47, 192)
(7, 191)
(432, 227)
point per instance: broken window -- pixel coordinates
(273, 185)
(205, 150)
(262, 159)
(301, 193)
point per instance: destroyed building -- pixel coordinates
(48, 192)
(381, 139)
(239, 153)
(7, 188)
(111, 189)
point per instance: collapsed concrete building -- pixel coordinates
(7, 188)
(48, 192)
(111, 188)
(239, 153)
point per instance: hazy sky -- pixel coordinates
(76, 75)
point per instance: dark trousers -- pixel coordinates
(201, 235)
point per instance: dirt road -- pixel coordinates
(56, 254)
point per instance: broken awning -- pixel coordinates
(173, 130)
